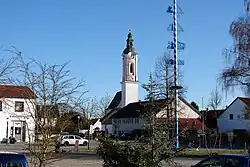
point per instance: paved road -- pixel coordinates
(79, 160)
(87, 162)
(20, 147)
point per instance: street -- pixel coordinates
(79, 160)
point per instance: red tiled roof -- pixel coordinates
(185, 123)
(12, 91)
(245, 100)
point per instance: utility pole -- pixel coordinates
(175, 45)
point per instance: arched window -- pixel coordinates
(131, 68)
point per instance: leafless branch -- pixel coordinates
(215, 99)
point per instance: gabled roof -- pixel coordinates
(246, 100)
(93, 121)
(188, 104)
(13, 91)
(136, 109)
(210, 114)
(116, 100)
(113, 106)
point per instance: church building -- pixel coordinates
(124, 112)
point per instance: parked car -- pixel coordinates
(68, 140)
(10, 159)
(227, 160)
(82, 135)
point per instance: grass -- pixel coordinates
(205, 153)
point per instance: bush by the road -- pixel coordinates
(124, 154)
(208, 152)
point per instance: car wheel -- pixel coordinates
(66, 143)
(85, 143)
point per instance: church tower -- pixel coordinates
(129, 73)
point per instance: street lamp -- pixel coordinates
(78, 120)
(176, 88)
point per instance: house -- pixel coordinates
(209, 117)
(131, 117)
(17, 111)
(96, 125)
(236, 116)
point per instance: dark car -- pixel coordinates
(227, 160)
(8, 159)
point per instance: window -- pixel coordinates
(78, 138)
(1, 104)
(211, 162)
(14, 164)
(65, 137)
(71, 137)
(19, 106)
(131, 68)
(231, 116)
(234, 162)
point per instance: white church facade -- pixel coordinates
(123, 113)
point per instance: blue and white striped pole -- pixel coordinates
(176, 72)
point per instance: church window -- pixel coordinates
(131, 68)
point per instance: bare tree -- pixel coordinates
(237, 71)
(164, 75)
(7, 67)
(215, 99)
(214, 103)
(52, 85)
(103, 103)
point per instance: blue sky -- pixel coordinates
(92, 35)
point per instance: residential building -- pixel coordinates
(236, 116)
(17, 112)
(96, 125)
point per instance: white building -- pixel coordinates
(17, 111)
(235, 116)
(96, 125)
(124, 110)
(131, 117)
